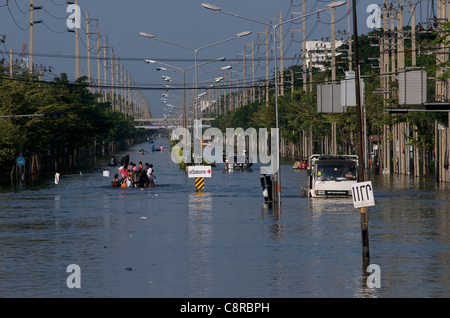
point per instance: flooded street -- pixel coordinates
(168, 241)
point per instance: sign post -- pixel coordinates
(20, 163)
(362, 193)
(199, 173)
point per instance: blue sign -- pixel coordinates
(20, 161)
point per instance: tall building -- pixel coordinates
(319, 52)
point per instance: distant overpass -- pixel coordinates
(163, 119)
(160, 123)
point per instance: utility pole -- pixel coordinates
(304, 47)
(30, 58)
(253, 71)
(281, 57)
(244, 71)
(116, 71)
(77, 49)
(333, 72)
(267, 66)
(121, 89)
(333, 45)
(362, 173)
(88, 51)
(11, 67)
(413, 33)
(105, 61)
(236, 105)
(112, 79)
(98, 61)
(231, 97)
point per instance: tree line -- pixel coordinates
(86, 118)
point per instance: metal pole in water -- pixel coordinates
(362, 173)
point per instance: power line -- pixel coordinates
(12, 16)
(24, 12)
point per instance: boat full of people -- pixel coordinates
(302, 165)
(134, 176)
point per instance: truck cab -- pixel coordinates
(331, 175)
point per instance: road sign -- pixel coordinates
(199, 183)
(20, 161)
(362, 193)
(199, 171)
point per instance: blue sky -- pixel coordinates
(184, 22)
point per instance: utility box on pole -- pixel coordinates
(412, 87)
(348, 90)
(329, 99)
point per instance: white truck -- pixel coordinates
(331, 175)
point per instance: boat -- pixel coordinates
(331, 175)
(301, 166)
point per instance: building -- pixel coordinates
(319, 52)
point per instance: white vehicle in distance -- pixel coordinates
(331, 175)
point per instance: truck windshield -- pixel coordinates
(339, 172)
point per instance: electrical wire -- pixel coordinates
(24, 12)
(12, 16)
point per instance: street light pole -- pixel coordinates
(239, 35)
(183, 71)
(277, 175)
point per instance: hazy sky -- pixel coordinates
(184, 22)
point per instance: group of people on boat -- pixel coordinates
(157, 149)
(133, 175)
(300, 165)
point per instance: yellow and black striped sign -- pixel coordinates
(199, 183)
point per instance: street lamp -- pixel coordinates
(277, 175)
(239, 35)
(181, 71)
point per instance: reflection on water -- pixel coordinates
(169, 241)
(200, 222)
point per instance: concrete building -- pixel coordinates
(319, 52)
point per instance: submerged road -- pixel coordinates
(168, 241)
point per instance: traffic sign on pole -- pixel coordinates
(362, 193)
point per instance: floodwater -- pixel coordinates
(168, 241)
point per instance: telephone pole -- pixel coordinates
(281, 56)
(362, 172)
(77, 50)
(88, 51)
(98, 61)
